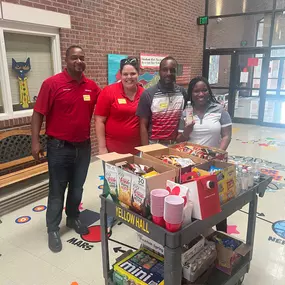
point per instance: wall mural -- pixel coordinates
(21, 69)
(270, 168)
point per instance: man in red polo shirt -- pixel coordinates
(67, 100)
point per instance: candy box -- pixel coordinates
(156, 151)
(226, 176)
(204, 152)
(230, 251)
(131, 190)
(142, 267)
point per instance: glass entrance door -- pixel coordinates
(238, 80)
(248, 87)
(274, 109)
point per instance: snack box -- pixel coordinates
(155, 151)
(195, 246)
(228, 258)
(226, 178)
(200, 263)
(204, 152)
(142, 267)
(131, 190)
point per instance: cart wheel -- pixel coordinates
(240, 281)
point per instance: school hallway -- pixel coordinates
(25, 258)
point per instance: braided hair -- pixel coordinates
(192, 84)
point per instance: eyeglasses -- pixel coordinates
(129, 60)
(132, 61)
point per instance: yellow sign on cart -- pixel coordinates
(132, 219)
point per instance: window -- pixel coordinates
(279, 30)
(28, 57)
(260, 29)
(224, 7)
(238, 31)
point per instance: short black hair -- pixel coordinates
(192, 84)
(72, 47)
(168, 58)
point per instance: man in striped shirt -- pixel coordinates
(161, 106)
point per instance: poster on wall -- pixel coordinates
(214, 68)
(146, 78)
(21, 69)
(151, 61)
(114, 67)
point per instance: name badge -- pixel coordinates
(122, 101)
(86, 97)
(163, 105)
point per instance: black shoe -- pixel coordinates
(54, 242)
(77, 226)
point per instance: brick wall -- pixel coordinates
(132, 27)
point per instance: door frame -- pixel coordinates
(234, 53)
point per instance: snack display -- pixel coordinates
(142, 267)
(131, 188)
(168, 186)
(138, 169)
(177, 160)
(200, 151)
(197, 151)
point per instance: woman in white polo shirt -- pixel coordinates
(212, 124)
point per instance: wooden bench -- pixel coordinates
(16, 161)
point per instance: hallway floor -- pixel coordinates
(26, 260)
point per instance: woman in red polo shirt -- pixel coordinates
(117, 126)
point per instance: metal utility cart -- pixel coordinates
(173, 242)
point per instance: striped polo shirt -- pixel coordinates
(163, 108)
(207, 130)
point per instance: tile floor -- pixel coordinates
(26, 260)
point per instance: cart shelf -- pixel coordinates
(173, 242)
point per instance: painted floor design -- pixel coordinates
(26, 260)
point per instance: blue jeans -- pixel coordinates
(68, 166)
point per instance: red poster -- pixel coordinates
(252, 61)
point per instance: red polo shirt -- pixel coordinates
(122, 128)
(68, 106)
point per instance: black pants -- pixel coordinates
(222, 226)
(68, 166)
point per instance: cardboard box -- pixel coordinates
(226, 178)
(192, 275)
(213, 153)
(227, 258)
(153, 152)
(132, 190)
(142, 267)
(198, 245)
(203, 193)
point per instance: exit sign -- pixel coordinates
(203, 20)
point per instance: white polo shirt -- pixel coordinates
(207, 130)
